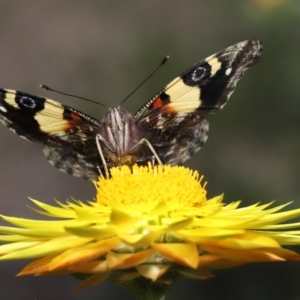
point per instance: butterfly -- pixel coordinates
(167, 129)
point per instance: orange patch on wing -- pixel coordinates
(70, 123)
(72, 120)
(157, 103)
(75, 117)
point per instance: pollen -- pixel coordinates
(145, 187)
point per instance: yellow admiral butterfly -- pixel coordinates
(168, 129)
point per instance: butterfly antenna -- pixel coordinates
(165, 59)
(47, 88)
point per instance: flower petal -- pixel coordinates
(183, 254)
(255, 255)
(202, 273)
(153, 271)
(92, 281)
(83, 254)
(127, 260)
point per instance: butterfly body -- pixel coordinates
(121, 138)
(170, 127)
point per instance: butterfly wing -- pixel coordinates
(174, 119)
(68, 135)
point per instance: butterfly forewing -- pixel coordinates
(179, 110)
(67, 134)
(173, 122)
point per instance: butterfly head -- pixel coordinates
(116, 119)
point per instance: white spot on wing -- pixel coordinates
(28, 102)
(228, 71)
(3, 109)
(198, 74)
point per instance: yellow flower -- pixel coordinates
(149, 222)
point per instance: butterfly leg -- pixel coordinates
(99, 170)
(155, 156)
(98, 139)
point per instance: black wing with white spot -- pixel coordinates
(175, 117)
(68, 135)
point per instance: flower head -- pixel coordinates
(149, 222)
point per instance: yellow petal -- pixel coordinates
(119, 218)
(127, 260)
(174, 226)
(49, 210)
(183, 254)
(83, 254)
(140, 239)
(92, 281)
(257, 255)
(90, 267)
(246, 241)
(208, 259)
(153, 271)
(127, 276)
(203, 233)
(225, 264)
(37, 267)
(14, 247)
(48, 247)
(202, 273)
(284, 253)
(97, 232)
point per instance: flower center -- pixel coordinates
(146, 186)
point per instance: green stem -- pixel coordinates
(145, 289)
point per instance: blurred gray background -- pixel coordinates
(102, 50)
